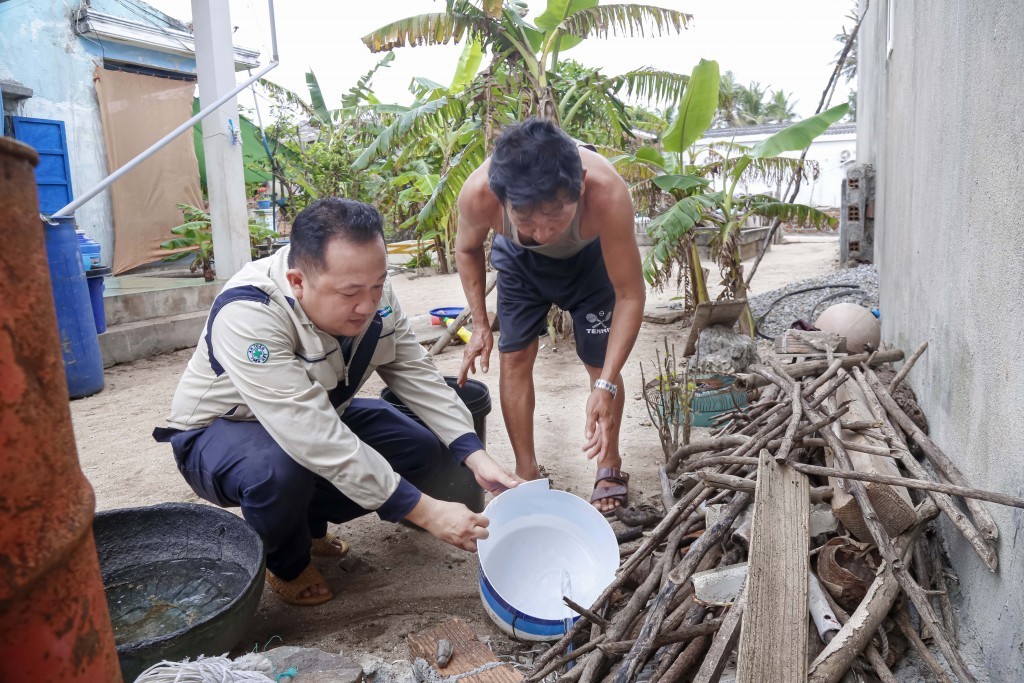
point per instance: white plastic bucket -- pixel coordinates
(539, 540)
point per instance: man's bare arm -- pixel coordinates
(469, 251)
(622, 260)
(474, 224)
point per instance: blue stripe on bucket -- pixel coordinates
(517, 620)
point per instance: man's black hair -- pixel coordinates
(327, 219)
(533, 162)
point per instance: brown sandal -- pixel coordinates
(289, 591)
(330, 545)
(618, 492)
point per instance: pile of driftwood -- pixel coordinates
(800, 537)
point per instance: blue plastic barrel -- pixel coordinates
(80, 346)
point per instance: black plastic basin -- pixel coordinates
(181, 580)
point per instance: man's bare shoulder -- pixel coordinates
(605, 188)
(477, 204)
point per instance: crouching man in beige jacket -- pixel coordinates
(265, 416)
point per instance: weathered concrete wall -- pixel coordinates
(41, 51)
(941, 118)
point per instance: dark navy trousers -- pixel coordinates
(239, 464)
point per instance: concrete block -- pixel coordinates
(129, 342)
(137, 306)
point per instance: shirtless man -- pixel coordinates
(563, 224)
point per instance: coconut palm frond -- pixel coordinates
(411, 123)
(627, 20)
(651, 85)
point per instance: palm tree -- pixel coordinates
(780, 108)
(729, 90)
(752, 107)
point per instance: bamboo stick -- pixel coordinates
(905, 370)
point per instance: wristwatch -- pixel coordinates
(607, 386)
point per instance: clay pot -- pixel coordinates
(856, 323)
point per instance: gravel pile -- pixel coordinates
(808, 305)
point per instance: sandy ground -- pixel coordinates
(406, 581)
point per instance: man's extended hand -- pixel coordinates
(600, 423)
(490, 475)
(453, 523)
(479, 346)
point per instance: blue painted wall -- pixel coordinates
(40, 50)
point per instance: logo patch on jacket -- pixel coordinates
(258, 353)
(385, 312)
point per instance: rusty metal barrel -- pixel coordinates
(54, 623)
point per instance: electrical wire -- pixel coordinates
(757, 323)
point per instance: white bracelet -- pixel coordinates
(607, 386)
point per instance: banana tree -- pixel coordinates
(534, 48)
(687, 178)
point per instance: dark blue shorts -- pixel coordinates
(529, 283)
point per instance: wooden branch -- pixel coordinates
(687, 659)
(986, 552)
(923, 484)
(860, 628)
(902, 374)
(683, 634)
(986, 525)
(668, 499)
(796, 410)
(871, 652)
(701, 447)
(903, 578)
(903, 621)
(885, 548)
(446, 337)
(773, 640)
(859, 425)
(644, 647)
(589, 614)
(814, 367)
(723, 644)
(558, 663)
(938, 575)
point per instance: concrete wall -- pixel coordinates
(941, 117)
(40, 50)
(832, 153)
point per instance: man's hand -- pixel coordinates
(490, 475)
(600, 421)
(479, 346)
(453, 523)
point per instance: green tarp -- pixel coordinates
(254, 156)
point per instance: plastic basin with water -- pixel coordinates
(539, 540)
(181, 580)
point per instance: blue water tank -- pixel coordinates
(80, 346)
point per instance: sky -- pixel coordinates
(785, 44)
